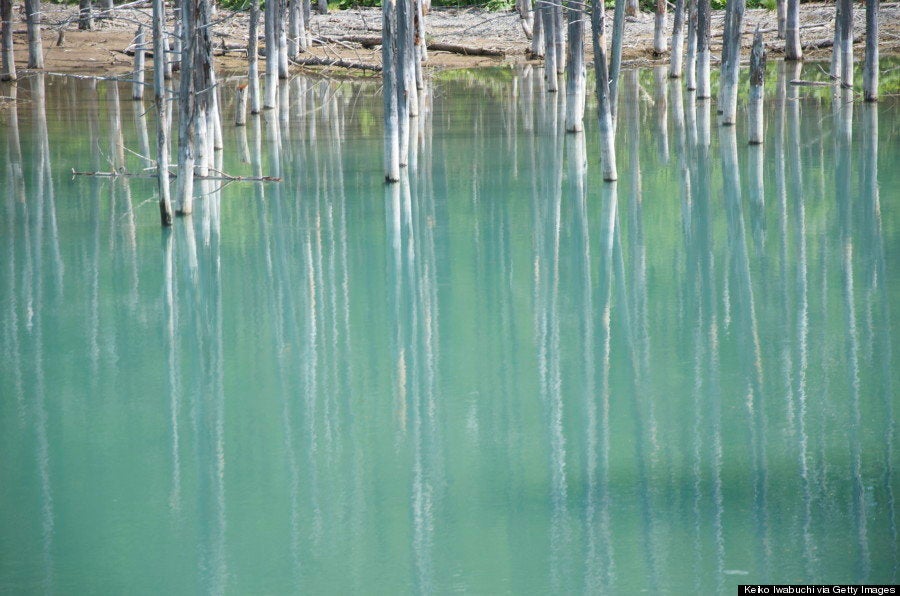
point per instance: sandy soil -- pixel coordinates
(105, 50)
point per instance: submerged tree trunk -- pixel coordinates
(659, 28)
(703, 16)
(253, 58)
(137, 86)
(550, 58)
(757, 76)
(615, 60)
(187, 111)
(271, 34)
(537, 31)
(675, 58)
(846, 22)
(33, 24)
(604, 112)
(792, 49)
(7, 58)
(576, 78)
(690, 78)
(835, 70)
(389, 74)
(870, 71)
(731, 61)
(159, 102)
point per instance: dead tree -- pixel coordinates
(271, 35)
(33, 25)
(137, 85)
(659, 28)
(615, 60)
(389, 73)
(675, 58)
(846, 24)
(870, 70)
(576, 77)
(7, 57)
(703, 16)
(792, 49)
(253, 58)
(731, 61)
(85, 18)
(757, 76)
(159, 101)
(604, 111)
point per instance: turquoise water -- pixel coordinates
(499, 376)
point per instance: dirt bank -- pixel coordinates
(105, 50)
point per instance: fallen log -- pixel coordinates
(465, 50)
(801, 82)
(338, 62)
(221, 176)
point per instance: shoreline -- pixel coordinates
(105, 49)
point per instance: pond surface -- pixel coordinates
(501, 375)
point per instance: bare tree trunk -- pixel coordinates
(632, 8)
(7, 58)
(835, 70)
(615, 60)
(240, 105)
(271, 34)
(85, 20)
(295, 14)
(870, 71)
(322, 7)
(33, 24)
(537, 31)
(690, 78)
(419, 42)
(703, 16)
(253, 58)
(576, 79)
(406, 89)
(283, 71)
(187, 112)
(548, 22)
(781, 16)
(731, 61)
(757, 76)
(526, 17)
(137, 86)
(847, 43)
(558, 39)
(389, 74)
(159, 101)
(792, 49)
(675, 58)
(604, 113)
(659, 28)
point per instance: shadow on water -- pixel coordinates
(500, 374)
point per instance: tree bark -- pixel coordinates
(677, 50)
(33, 24)
(576, 76)
(159, 101)
(389, 74)
(271, 35)
(792, 49)
(731, 61)
(632, 8)
(690, 78)
(187, 111)
(703, 16)
(253, 58)
(604, 113)
(659, 28)
(7, 57)
(137, 86)
(615, 60)
(870, 71)
(85, 19)
(781, 15)
(757, 77)
(846, 43)
(550, 58)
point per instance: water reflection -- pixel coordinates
(499, 374)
